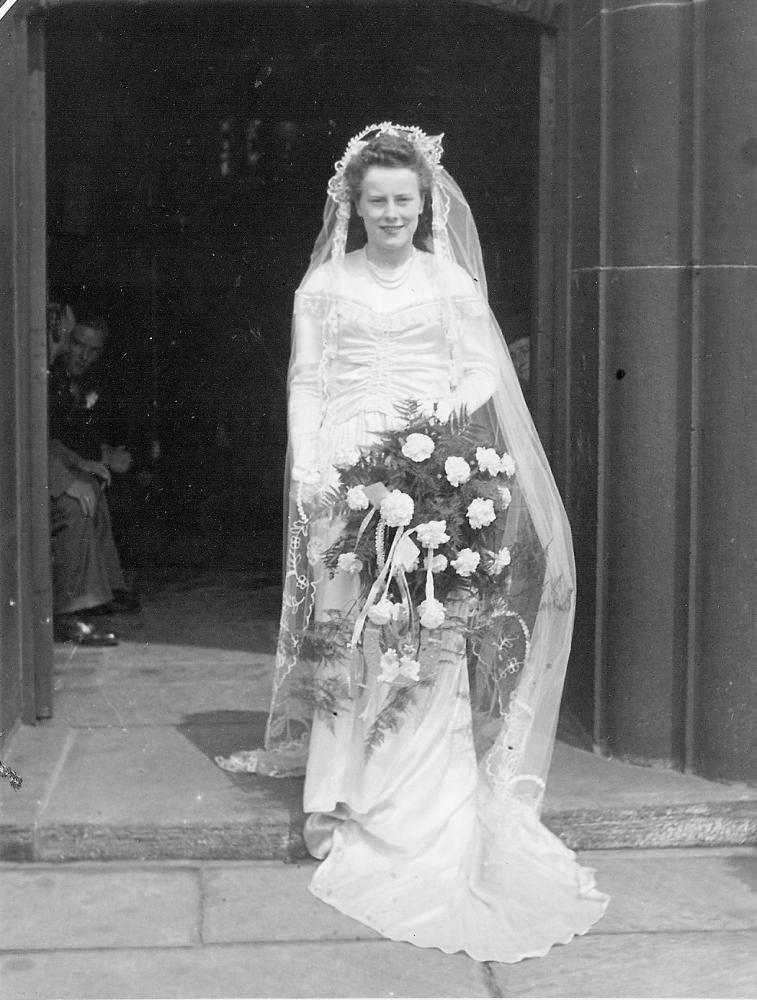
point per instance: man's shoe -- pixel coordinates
(69, 628)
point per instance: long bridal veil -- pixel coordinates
(517, 669)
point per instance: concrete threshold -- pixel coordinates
(149, 794)
(126, 768)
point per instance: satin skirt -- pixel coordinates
(415, 846)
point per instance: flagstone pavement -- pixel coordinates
(132, 866)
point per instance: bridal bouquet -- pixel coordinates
(424, 514)
(429, 503)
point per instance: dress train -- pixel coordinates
(416, 846)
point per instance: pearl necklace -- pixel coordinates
(391, 277)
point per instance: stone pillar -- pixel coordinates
(663, 243)
(636, 280)
(725, 730)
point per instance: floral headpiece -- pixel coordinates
(429, 147)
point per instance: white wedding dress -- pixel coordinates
(415, 845)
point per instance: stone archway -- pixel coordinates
(542, 13)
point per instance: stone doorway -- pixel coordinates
(188, 150)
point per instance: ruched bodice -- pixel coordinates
(386, 358)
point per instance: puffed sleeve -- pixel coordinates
(305, 394)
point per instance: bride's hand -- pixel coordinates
(307, 488)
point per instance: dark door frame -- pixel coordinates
(549, 386)
(25, 590)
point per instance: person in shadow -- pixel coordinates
(88, 581)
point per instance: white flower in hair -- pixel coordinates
(429, 146)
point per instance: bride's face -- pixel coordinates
(389, 205)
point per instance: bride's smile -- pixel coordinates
(390, 204)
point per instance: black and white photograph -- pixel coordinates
(378, 565)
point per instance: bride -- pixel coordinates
(427, 825)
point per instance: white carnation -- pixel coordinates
(488, 461)
(410, 668)
(390, 666)
(348, 562)
(397, 509)
(382, 612)
(438, 564)
(457, 469)
(418, 447)
(501, 559)
(480, 512)
(432, 534)
(506, 464)
(467, 562)
(356, 498)
(432, 613)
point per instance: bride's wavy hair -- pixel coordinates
(388, 150)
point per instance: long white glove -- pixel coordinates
(305, 394)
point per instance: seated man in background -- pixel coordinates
(87, 576)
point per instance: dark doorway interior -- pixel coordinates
(188, 152)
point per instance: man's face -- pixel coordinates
(84, 349)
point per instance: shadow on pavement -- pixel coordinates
(219, 609)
